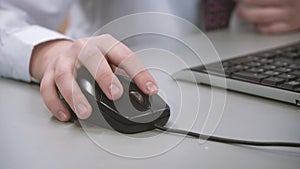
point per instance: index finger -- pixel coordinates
(120, 55)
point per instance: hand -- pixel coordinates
(271, 16)
(55, 64)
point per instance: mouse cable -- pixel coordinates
(227, 140)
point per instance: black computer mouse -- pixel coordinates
(132, 113)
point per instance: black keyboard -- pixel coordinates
(279, 68)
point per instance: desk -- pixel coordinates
(31, 138)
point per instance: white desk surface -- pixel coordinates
(31, 138)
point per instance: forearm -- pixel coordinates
(18, 35)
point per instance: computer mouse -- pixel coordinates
(132, 113)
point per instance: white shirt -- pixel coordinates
(27, 23)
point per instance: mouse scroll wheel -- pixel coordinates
(137, 96)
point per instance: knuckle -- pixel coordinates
(50, 99)
(44, 85)
(123, 49)
(90, 54)
(79, 43)
(60, 75)
(104, 76)
(60, 63)
(62, 71)
(106, 36)
(88, 51)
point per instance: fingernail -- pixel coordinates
(82, 109)
(61, 116)
(151, 87)
(114, 91)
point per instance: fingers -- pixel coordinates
(51, 98)
(146, 82)
(270, 16)
(118, 70)
(106, 51)
(275, 27)
(119, 54)
(260, 2)
(100, 55)
(68, 87)
(261, 15)
(93, 59)
(142, 78)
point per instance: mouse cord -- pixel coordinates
(226, 140)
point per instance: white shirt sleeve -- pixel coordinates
(23, 25)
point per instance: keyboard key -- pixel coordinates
(268, 55)
(241, 67)
(294, 66)
(291, 85)
(292, 55)
(287, 77)
(278, 52)
(269, 67)
(297, 73)
(255, 70)
(254, 57)
(230, 71)
(273, 81)
(291, 49)
(281, 63)
(283, 70)
(226, 64)
(271, 73)
(248, 76)
(253, 64)
(266, 61)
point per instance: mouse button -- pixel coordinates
(159, 106)
(129, 111)
(124, 107)
(157, 103)
(86, 86)
(85, 81)
(98, 92)
(103, 100)
(108, 109)
(109, 113)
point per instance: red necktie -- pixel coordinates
(217, 13)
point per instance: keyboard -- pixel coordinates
(278, 68)
(273, 74)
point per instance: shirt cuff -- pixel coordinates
(20, 44)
